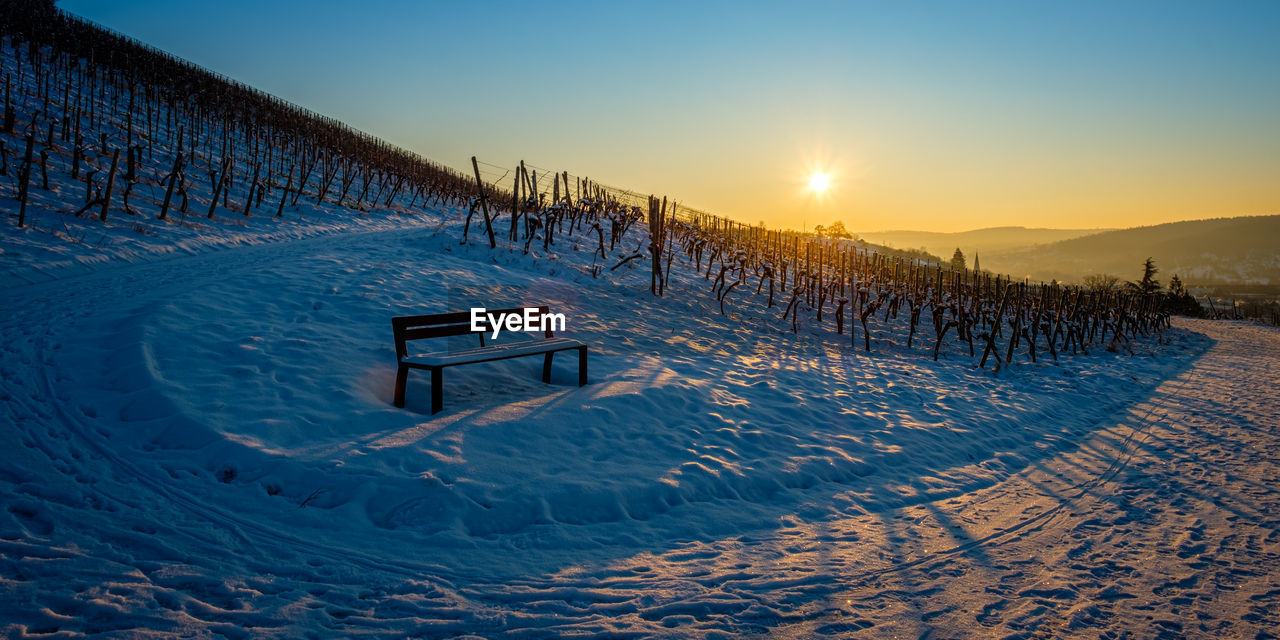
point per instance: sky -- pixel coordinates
(937, 116)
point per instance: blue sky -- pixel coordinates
(940, 115)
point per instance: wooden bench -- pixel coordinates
(443, 325)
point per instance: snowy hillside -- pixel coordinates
(200, 440)
(207, 441)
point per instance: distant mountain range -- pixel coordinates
(1244, 250)
(980, 241)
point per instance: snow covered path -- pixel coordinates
(205, 445)
(1164, 524)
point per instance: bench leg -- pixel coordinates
(546, 367)
(402, 375)
(437, 390)
(582, 366)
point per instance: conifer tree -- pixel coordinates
(1148, 284)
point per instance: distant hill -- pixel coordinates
(1243, 250)
(980, 241)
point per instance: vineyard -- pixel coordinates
(783, 433)
(164, 142)
(155, 137)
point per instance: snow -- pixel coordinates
(204, 442)
(199, 440)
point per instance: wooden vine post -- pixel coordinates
(173, 179)
(217, 189)
(253, 184)
(111, 183)
(25, 181)
(657, 232)
(991, 335)
(285, 194)
(484, 205)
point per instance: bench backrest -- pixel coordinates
(443, 325)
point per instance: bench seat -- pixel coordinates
(442, 325)
(491, 352)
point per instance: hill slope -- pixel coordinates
(980, 241)
(1221, 250)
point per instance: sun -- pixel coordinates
(819, 182)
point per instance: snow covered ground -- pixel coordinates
(202, 442)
